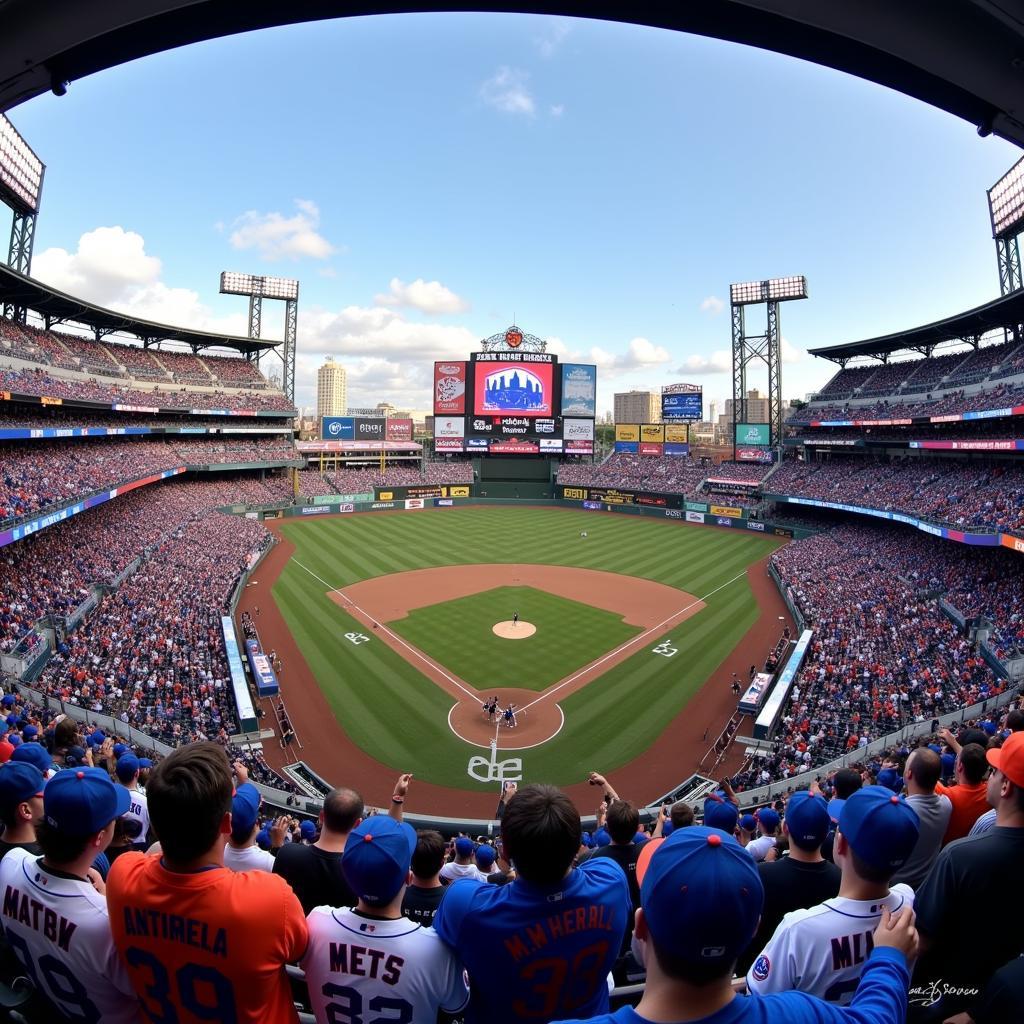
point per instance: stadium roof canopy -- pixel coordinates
(61, 308)
(965, 57)
(1006, 312)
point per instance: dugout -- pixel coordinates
(522, 477)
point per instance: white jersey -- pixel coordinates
(453, 870)
(251, 858)
(360, 967)
(822, 950)
(759, 846)
(59, 929)
(138, 811)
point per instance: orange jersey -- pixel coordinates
(211, 945)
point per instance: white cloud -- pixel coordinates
(791, 354)
(718, 362)
(427, 296)
(557, 109)
(640, 354)
(506, 91)
(713, 305)
(275, 236)
(549, 42)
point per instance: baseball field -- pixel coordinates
(395, 628)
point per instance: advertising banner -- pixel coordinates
(579, 389)
(370, 429)
(627, 432)
(458, 492)
(646, 448)
(449, 426)
(594, 506)
(627, 447)
(378, 505)
(1013, 543)
(516, 388)
(330, 499)
(477, 442)
(443, 503)
(652, 432)
(754, 455)
(449, 387)
(695, 506)
(399, 430)
(652, 499)
(695, 517)
(673, 513)
(513, 447)
(753, 433)
(676, 449)
(781, 531)
(337, 428)
(753, 524)
(978, 445)
(578, 430)
(613, 496)
(413, 503)
(579, 447)
(314, 510)
(346, 506)
(677, 433)
(551, 444)
(722, 521)
(682, 406)
(726, 510)
(449, 444)
(575, 493)
(751, 701)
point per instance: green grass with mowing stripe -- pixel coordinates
(609, 722)
(458, 635)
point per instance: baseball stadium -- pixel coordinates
(796, 644)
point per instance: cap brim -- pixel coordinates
(124, 801)
(643, 860)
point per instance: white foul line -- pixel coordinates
(637, 639)
(412, 650)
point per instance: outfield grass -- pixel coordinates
(458, 635)
(607, 723)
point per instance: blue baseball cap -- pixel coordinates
(881, 828)
(308, 829)
(587, 840)
(702, 896)
(891, 779)
(263, 839)
(34, 754)
(602, 837)
(768, 819)
(19, 781)
(245, 808)
(377, 857)
(82, 801)
(145, 762)
(807, 819)
(720, 814)
(8, 700)
(14, 739)
(12, 720)
(485, 856)
(96, 739)
(464, 846)
(748, 823)
(75, 757)
(120, 748)
(30, 732)
(127, 766)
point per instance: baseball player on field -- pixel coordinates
(53, 917)
(823, 950)
(371, 963)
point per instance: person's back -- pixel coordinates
(464, 866)
(201, 942)
(541, 947)
(933, 811)
(424, 892)
(968, 796)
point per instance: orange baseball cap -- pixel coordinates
(1009, 758)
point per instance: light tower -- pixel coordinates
(1006, 208)
(21, 184)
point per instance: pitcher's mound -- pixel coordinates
(510, 630)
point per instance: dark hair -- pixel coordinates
(65, 734)
(972, 735)
(342, 809)
(868, 872)
(681, 814)
(429, 855)
(693, 973)
(926, 767)
(846, 782)
(541, 833)
(974, 763)
(58, 847)
(1015, 720)
(189, 793)
(622, 821)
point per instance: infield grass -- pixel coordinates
(458, 634)
(609, 722)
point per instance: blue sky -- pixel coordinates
(430, 177)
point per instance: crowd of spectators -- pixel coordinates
(671, 474)
(1001, 428)
(63, 417)
(363, 479)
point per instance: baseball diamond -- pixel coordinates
(386, 623)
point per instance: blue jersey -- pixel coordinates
(881, 998)
(537, 953)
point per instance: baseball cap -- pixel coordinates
(748, 823)
(8, 700)
(701, 895)
(768, 818)
(75, 757)
(127, 766)
(263, 839)
(646, 853)
(602, 837)
(667, 828)
(377, 857)
(19, 781)
(14, 739)
(1009, 758)
(484, 856)
(464, 846)
(34, 754)
(82, 801)
(891, 779)
(245, 806)
(30, 732)
(96, 739)
(807, 819)
(720, 814)
(6, 750)
(308, 829)
(120, 748)
(881, 828)
(145, 762)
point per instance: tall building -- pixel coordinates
(757, 410)
(638, 407)
(331, 390)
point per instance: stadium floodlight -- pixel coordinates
(21, 171)
(1006, 202)
(285, 288)
(776, 289)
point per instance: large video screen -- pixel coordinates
(522, 389)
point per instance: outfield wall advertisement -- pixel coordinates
(449, 387)
(579, 390)
(627, 432)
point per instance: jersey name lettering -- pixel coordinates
(27, 911)
(175, 928)
(366, 963)
(842, 954)
(569, 922)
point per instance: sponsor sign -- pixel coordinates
(579, 389)
(682, 406)
(695, 506)
(612, 497)
(578, 430)
(677, 433)
(330, 499)
(337, 428)
(414, 503)
(399, 430)
(513, 447)
(726, 483)
(752, 524)
(513, 426)
(628, 447)
(314, 510)
(674, 513)
(1013, 543)
(722, 521)
(979, 445)
(650, 499)
(751, 701)
(509, 387)
(482, 424)
(676, 449)
(646, 448)
(595, 505)
(781, 531)
(727, 510)
(544, 426)
(443, 502)
(753, 434)
(513, 357)
(448, 444)
(52, 401)
(580, 447)
(477, 442)
(746, 454)
(653, 432)
(346, 506)
(382, 504)
(449, 426)
(551, 444)
(574, 493)
(370, 429)
(458, 492)
(695, 517)
(385, 495)
(449, 387)
(627, 431)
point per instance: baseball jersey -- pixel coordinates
(822, 950)
(248, 858)
(453, 870)
(208, 945)
(881, 998)
(537, 953)
(758, 848)
(367, 968)
(58, 928)
(138, 811)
